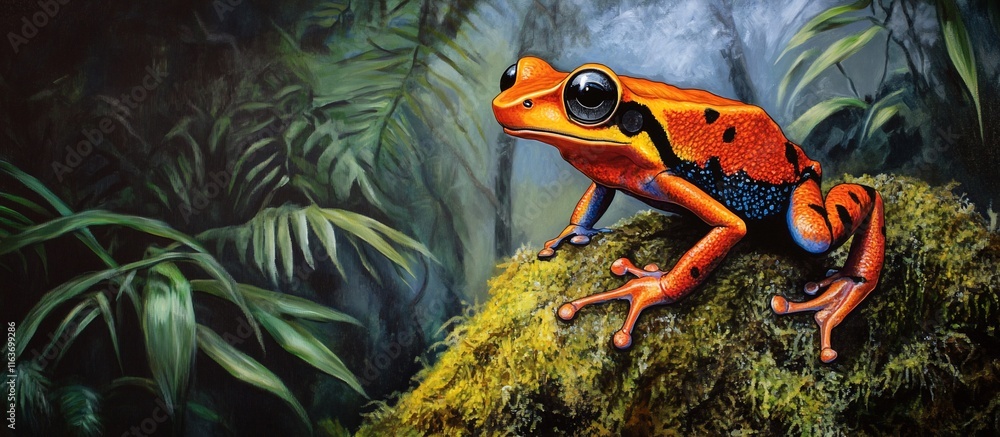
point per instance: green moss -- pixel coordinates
(919, 354)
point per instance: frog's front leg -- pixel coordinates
(653, 287)
(588, 210)
(820, 226)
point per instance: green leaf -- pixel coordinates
(279, 303)
(881, 116)
(218, 133)
(303, 344)
(808, 121)
(827, 20)
(168, 326)
(882, 111)
(959, 45)
(795, 70)
(34, 207)
(283, 238)
(837, 52)
(270, 232)
(104, 305)
(80, 221)
(75, 321)
(39, 188)
(145, 384)
(73, 288)
(327, 237)
(81, 409)
(247, 369)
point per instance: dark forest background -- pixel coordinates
(263, 216)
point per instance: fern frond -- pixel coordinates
(278, 236)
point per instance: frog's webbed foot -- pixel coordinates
(641, 292)
(843, 293)
(576, 234)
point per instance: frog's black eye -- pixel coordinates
(508, 78)
(590, 96)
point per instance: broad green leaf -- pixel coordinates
(827, 20)
(879, 112)
(245, 157)
(75, 321)
(15, 215)
(76, 286)
(34, 207)
(326, 235)
(881, 116)
(39, 188)
(301, 230)
(835, 53)
(279, 303)
(168, 327)
(81, 220)
(795, 70)
(283, 238)
(104, 305)
(218, 133)
(247, 369)
(303, 344)
(287, 91)
(212, 266)
(204, 412)
(959, 45)
(808, 121)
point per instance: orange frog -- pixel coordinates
(677, 149)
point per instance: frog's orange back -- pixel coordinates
(702, 126)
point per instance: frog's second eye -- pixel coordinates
(508, 78)
(590, 96)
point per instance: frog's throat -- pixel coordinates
(560, 140)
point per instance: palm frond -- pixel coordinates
(81, 409)
(33, 392)
(279, 235)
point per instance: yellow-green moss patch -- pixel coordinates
(919, 354)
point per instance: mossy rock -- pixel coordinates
(919, 355)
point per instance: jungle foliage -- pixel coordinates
(916, 357)
(298, 195)
(263, 132)
(929, 99)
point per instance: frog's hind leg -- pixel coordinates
(820, 226)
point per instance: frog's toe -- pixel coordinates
(828, 355)
(641, 293)
(843, 292)
(546, 253)
(621, 266)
